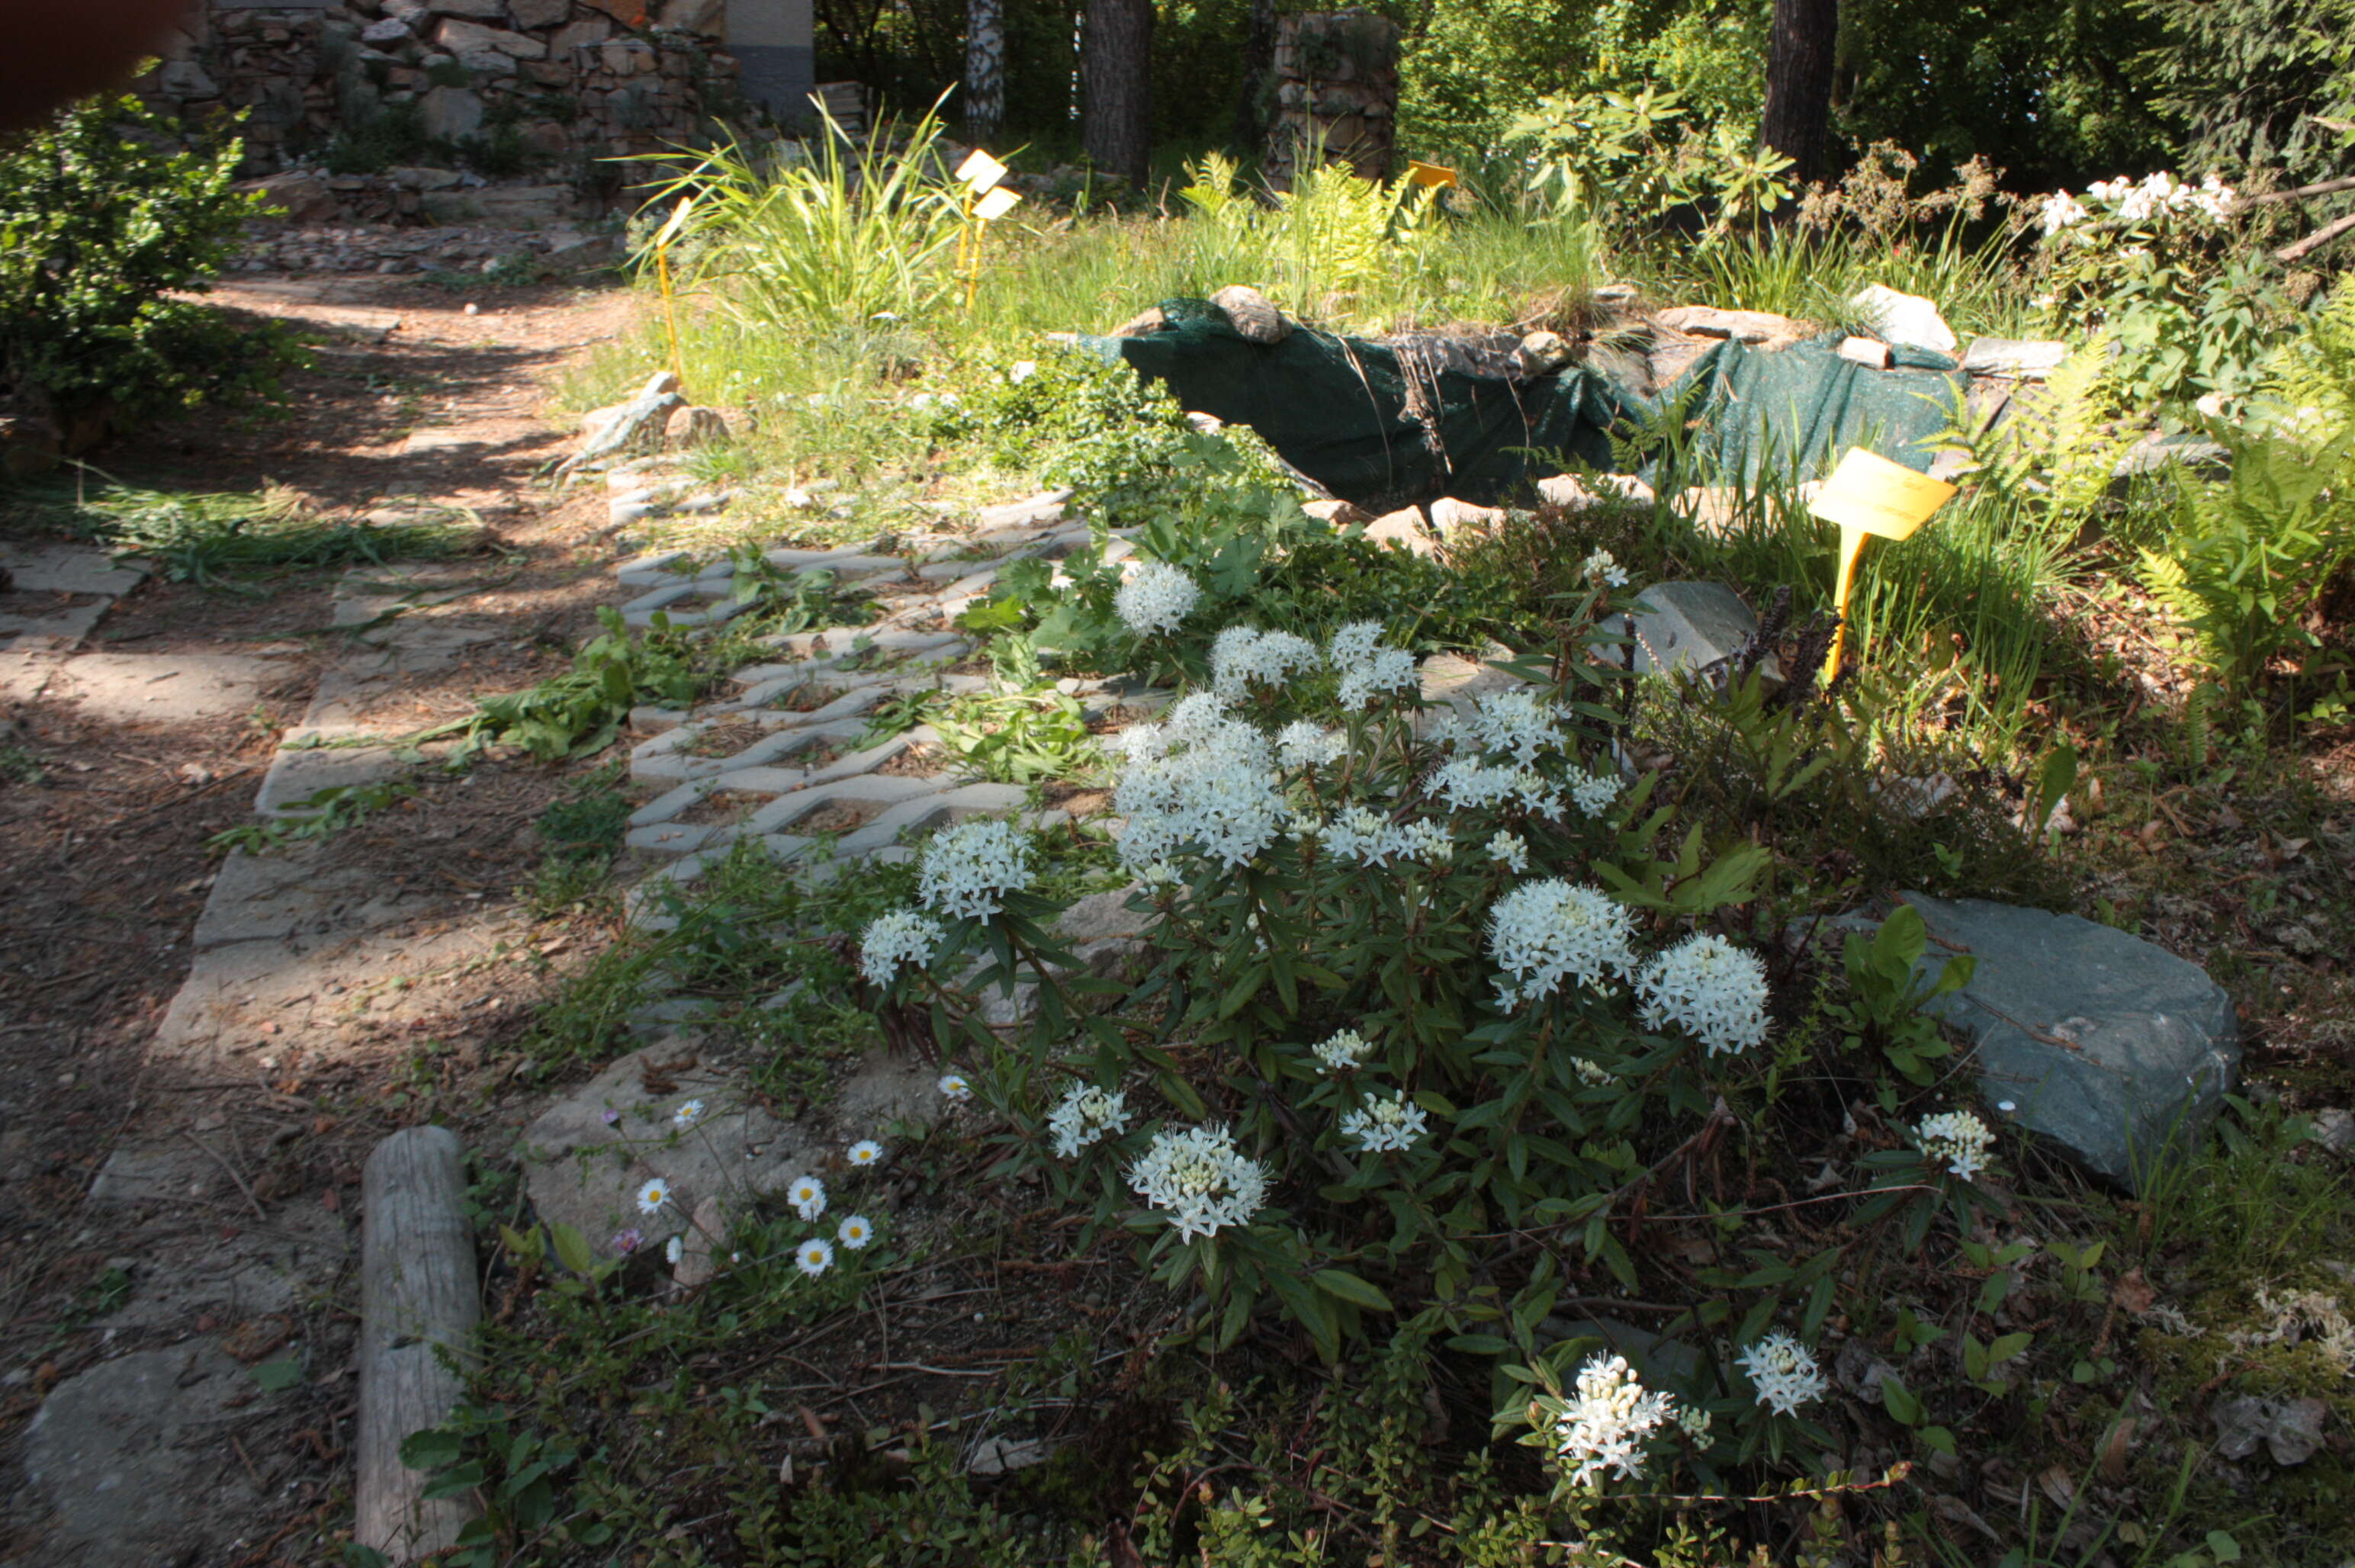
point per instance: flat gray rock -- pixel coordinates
(1688, 626)
(165, 688)
(2097, 1039)
(128, 1454)
(43, 567)
(585, 1170)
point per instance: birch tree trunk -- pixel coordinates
(984, 70)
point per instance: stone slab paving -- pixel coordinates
(83, 583)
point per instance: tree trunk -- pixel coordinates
(1800, 57)
(985, 70)
(1115, 76)
(1259, 67)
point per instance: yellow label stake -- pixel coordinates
(1866, 496)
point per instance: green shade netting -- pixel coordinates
(1407, 420)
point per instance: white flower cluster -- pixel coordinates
(2139, 201)
(1197, 1178)
(1345, 1052)
(1300, 744)
(1244, 657)
(1544, 932)
(1515, 721)
(969, 868)
(1710, 989)
(1385, 1126)
(1366, 665)
(1958, 1139)
(1509, 849)
(1604, 565)
(1370, 838)
(1469, 783)
(1156, 599)
(1086, 1115)
(1200, 778)
(901, 937)
(1786, 1374)
(1593, 792)
(1606, 1426)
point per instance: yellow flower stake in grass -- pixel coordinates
(1869, 495)
(986, 202)
(663, 237)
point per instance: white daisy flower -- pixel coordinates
(1153, 601)
(653, 1196)
(1710, 989)
(1957, 1138)
(901, 937)
(815, 1256)
(687, 1115)
(969, 868)
(866, 1151)
(1385, 1126)
(955, 1086)
(1086, 1115)
(1785, 1375)
(673, 1250)
(855, 1232)
(1606, 1426)
(808, 1195)
(1542, 933)
(1199, 1179)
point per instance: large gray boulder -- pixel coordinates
(1687, 626)
(2099, 1040)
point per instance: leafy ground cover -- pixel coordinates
(1454, 1066)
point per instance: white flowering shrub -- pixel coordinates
(1418, 992)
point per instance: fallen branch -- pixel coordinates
(2319, 187)
(2298, 249)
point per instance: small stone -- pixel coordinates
(2290, 1430)
(2030, 359)
(1905, 319)
(1541, 354)
(1742, 326)
(1405, 527)
(1003, 1456)
(1688, 626)
(1869, 352)
(1255, 315)
(1448, 514)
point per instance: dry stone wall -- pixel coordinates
(540, 90)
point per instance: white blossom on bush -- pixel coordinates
(1203, 778)
(2060, 211)
(1710, 989)
(1517, 721)
(1468, 784)
(1197, 1178)
(1606, 1426)
(1604, 565)
(1244, 657)
(969, 868)
(1086, 1114)
(1156, 599)
(1367, 667)
(1784, 1373)
(1345, 1052)
(1594, 793)
(1300, 744)
(1385, 1126)
(900, 938)
(1509, 850)
(1542, 933)
(1425, 840)
(1956, 1140)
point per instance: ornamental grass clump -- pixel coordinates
(1419, 1002)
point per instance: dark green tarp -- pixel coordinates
(1393, 422)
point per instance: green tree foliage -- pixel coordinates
(105, 225)
(2255, 81)
(2055, 95)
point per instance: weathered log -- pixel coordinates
(419, 1296)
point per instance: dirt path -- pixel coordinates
(196, 1052)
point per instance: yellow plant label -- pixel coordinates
(1869, 493)
(995, 205)
(1419, 173)
(980, 171)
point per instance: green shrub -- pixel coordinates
(103, 219)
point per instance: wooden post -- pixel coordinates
(418, 1292)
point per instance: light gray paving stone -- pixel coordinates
(294, 776)
(285, 893)
(660, 566)
(1031, 511)
(48, 567)
(949, 805)
(885, 789)
(670, 837)
(661, 597)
